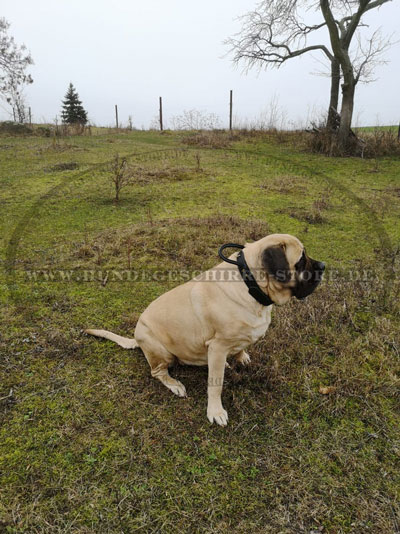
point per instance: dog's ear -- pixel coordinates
(275, 263)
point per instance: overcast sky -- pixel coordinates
(130, 52)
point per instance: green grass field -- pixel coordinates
(90, 443)
(393, 128)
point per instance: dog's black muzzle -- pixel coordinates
(309, 279)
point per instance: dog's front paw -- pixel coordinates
(218, 415)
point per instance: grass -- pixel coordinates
(394, 128)
(90, 443)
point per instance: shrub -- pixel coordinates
(379, 142)
(43, 131)
(14, 128)
(212, 139)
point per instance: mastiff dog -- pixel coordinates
(220, 313)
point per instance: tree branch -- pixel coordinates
(354, 22)
(332, 27)
(377, 3)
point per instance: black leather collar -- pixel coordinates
(254, 289)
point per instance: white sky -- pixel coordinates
(131, 52)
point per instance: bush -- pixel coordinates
(194, 119)
(379, 142)
(209, 139)
(14, 128)
(43, 131)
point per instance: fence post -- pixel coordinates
(161, 118)
(30, 116)
(116, 115)
(230, 109)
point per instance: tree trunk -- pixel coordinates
(334, 99)
(346, 113)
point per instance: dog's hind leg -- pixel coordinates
(160, 371)
(242, 357)
(159, 359)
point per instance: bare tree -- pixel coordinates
(341, 33)
(276, 32)
(119, 174)
(14, 96)
(194, 119)
(14, 61)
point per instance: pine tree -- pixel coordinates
(72, 110)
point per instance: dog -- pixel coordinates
(221, 312)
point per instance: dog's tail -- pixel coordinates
(124, 342)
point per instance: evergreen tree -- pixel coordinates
(72, 110)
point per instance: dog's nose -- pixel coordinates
(320, 266)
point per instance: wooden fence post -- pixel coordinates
(161, 117)
(30, 116)
(116, 115)
(230, 109)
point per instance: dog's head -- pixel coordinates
(286, 268)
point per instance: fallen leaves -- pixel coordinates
(327, 390)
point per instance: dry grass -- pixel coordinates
(58, 145)
(67, 166)
(311, 216)
(210, 139)
(284, 184)
(165, 172)
(225, 139)
(395, 191)
(367, 144)
(380, 142)
(315, 214)
(176, 243)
